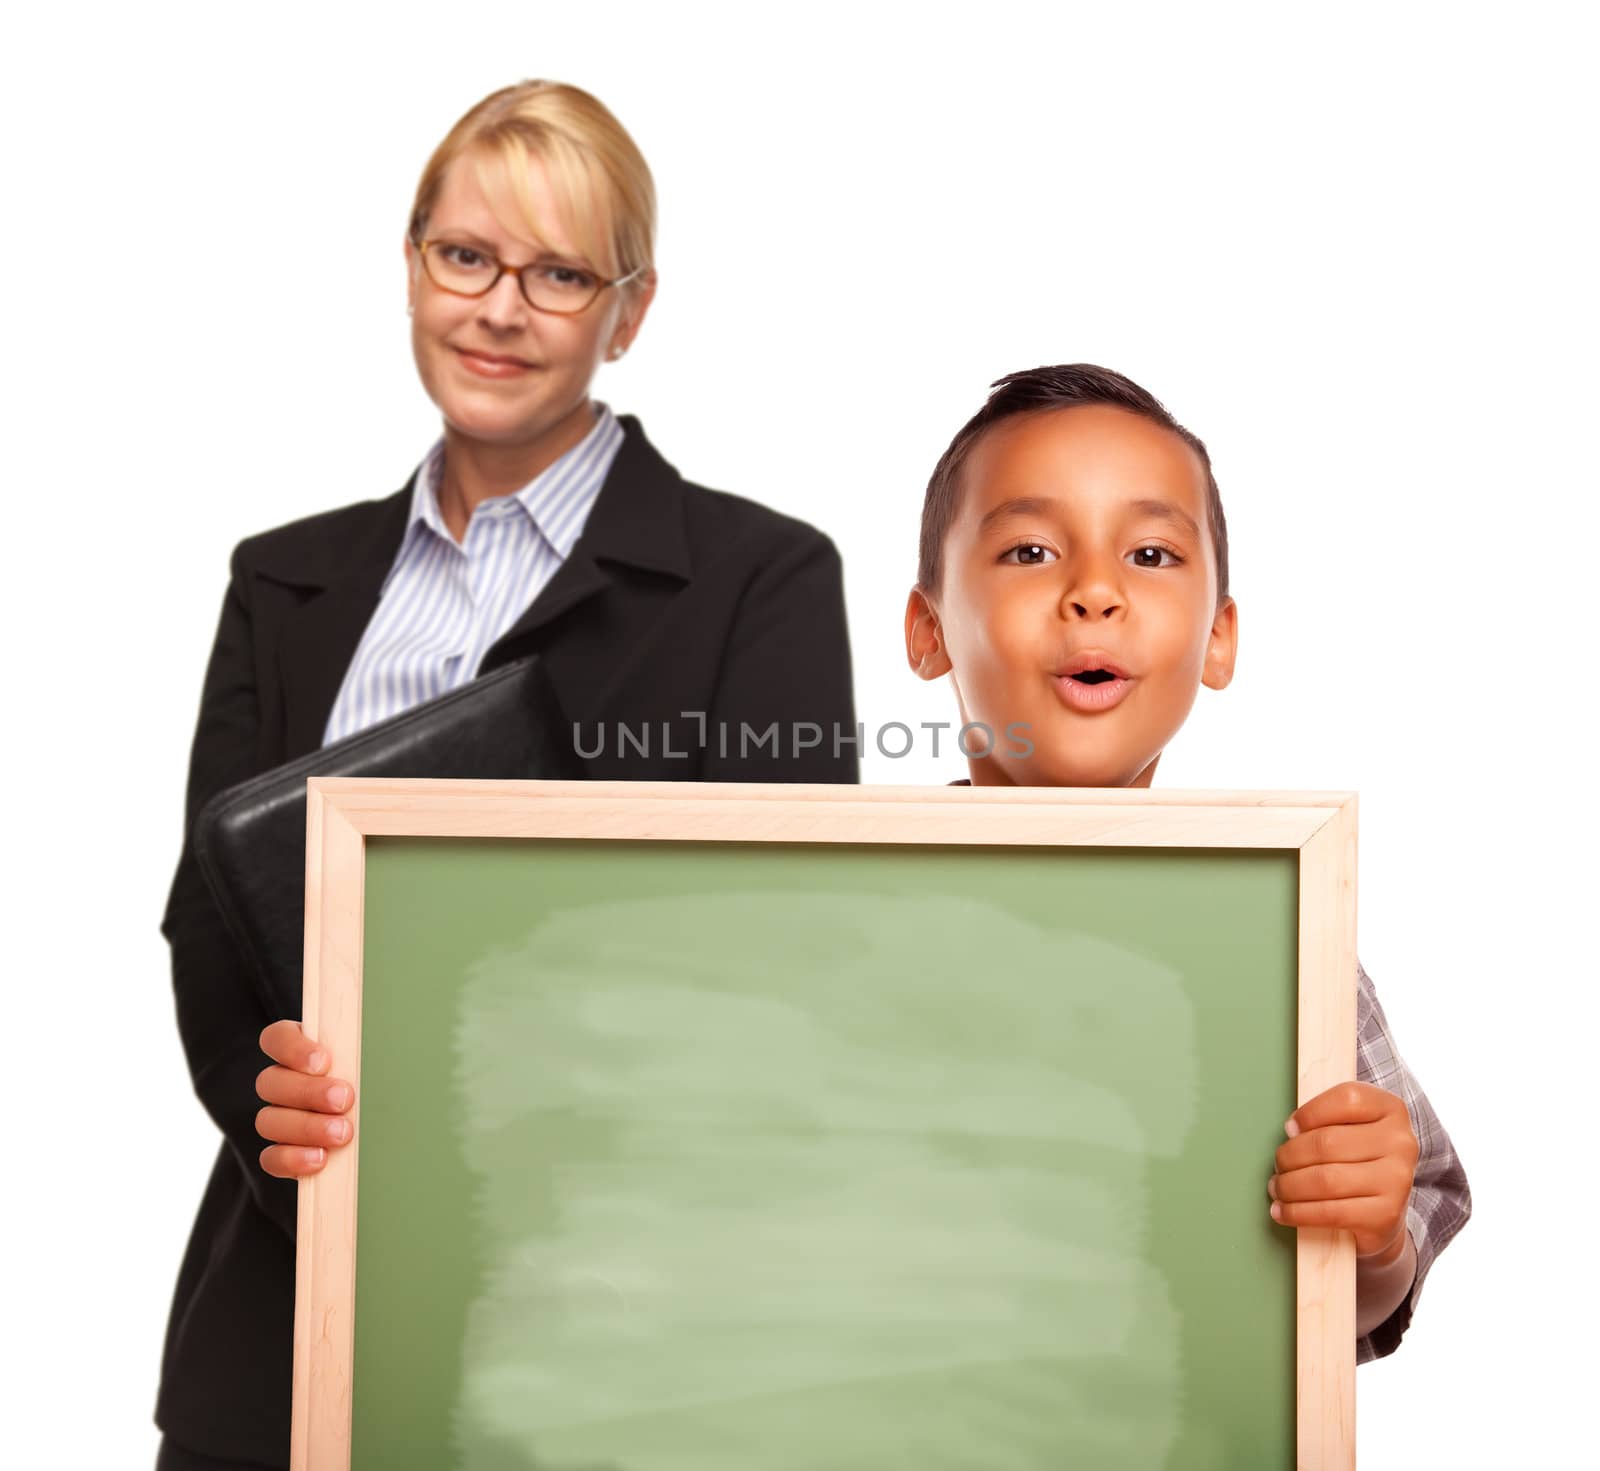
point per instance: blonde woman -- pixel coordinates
(540, 522)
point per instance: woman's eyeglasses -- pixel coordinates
(547, 286)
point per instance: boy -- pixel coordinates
(1073, 583)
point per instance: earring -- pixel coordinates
(411, 311)
(616, 352)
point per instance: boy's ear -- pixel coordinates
(924, 638)
(1222, 646)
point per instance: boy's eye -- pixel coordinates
(1151, 557)
(1028, 554)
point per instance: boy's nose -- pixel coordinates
(1093, 596)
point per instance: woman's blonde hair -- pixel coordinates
(600, 178)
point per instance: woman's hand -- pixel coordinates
(1349, 1164)
(305, 1113)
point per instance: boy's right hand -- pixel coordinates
(304, 1116)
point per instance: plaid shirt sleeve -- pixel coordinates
(1440, 1200)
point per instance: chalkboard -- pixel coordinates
(694, 1133)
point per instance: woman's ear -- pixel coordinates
(925, 650)
(413, 263)
(631, 317)
(1221, 646)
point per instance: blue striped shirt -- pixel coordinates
(444, 602)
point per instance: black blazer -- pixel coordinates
(678, 605)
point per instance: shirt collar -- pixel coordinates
(557, 499)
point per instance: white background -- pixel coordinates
(1352, 248)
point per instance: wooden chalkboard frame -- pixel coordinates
(343, 812)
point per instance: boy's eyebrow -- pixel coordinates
(1035, 505)
(1165, 511)
(1022, 505)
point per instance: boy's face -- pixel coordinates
(1080, 539)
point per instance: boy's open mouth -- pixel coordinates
(1091, 666)
(1091, 681)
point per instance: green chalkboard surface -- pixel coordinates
(703, 1156)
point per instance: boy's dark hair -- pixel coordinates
(1035, 391)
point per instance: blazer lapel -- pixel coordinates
(342, 576)
(636, 522)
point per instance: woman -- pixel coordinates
(709, 626)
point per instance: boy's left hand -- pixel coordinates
(1348, 1165)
